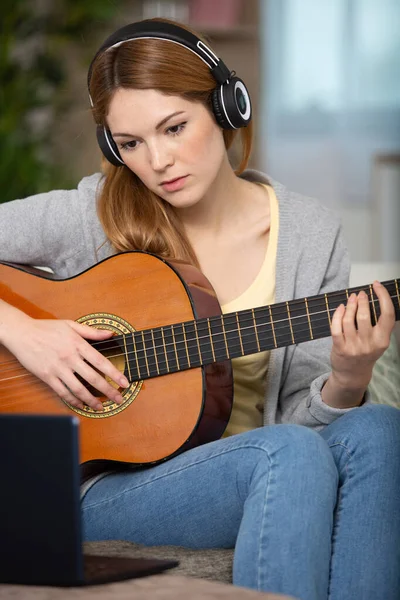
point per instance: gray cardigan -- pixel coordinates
(61, 230)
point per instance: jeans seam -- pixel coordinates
(337, 511)
(174, 472)
(334, 539)
(348, 452)
(263, 522)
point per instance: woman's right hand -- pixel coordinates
(56, 350)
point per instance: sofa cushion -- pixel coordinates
(385, 383)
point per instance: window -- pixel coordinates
(331, 60)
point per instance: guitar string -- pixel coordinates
(267, 336)
(34, 378)
(214, 319)
(278, 311)
(275, 322)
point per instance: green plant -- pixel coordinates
(32, 75)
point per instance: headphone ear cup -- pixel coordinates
(218, 110)
(237, 103)
(231, 104)
(108, 146)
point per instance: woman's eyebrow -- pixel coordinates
(160, 124)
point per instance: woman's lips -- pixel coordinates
(175, 185)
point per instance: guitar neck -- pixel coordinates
(182, 346)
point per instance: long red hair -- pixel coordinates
(132, 216)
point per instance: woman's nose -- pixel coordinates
(160, 157)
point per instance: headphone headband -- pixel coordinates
(149, 29)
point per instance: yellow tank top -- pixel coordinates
(249, 372)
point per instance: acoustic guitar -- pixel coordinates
(171, 342)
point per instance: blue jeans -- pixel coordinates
(313, 515)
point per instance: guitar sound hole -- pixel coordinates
(114, 351)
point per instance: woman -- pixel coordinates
(310, 500)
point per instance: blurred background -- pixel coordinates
(324, 77)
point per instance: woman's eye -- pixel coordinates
(133, 144)
(128, 145)
(176, 129)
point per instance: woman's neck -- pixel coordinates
(221, 207)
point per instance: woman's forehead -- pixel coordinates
(144, 108)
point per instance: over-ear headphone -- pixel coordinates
(230, 99)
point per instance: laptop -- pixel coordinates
(40, 520)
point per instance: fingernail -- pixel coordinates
(99, 406)
(118, 398)
(124, 382)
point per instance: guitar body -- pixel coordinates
(161, 416)
(172, 343)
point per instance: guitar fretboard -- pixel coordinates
(180, 346)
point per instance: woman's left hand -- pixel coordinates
(355, 350)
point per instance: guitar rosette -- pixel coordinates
(115, 349)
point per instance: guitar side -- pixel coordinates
(160, 417)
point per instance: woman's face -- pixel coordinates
(162, 138)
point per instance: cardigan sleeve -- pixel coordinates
(51, 229)
(308, 364)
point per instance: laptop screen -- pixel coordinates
(40, 523)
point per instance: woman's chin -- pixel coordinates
(182, 199)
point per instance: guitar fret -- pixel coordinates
(131, 358)
(327, 308)
(211, 339)
(347, 294)
(232, 333)
(272, 325)
(240, 333)
(136, 356)
(308, 317)
(373, 302)
(224, 332)
(262, 339)
(174, 342)
(193, 357)
(248, 339)
(151, 353)
(165, 349)
(161, 359)
(219, 338)
(155, 352)
(318, 316)
(141, 356)
(205, 341)
(290, 321)
(397, 291)
(145, 354)
(255, 330)
(127, 359)
(181, 346)
(186, 346)
(198, 342)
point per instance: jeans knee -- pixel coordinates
(292, 456)
(308, 443)
(296, 444)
